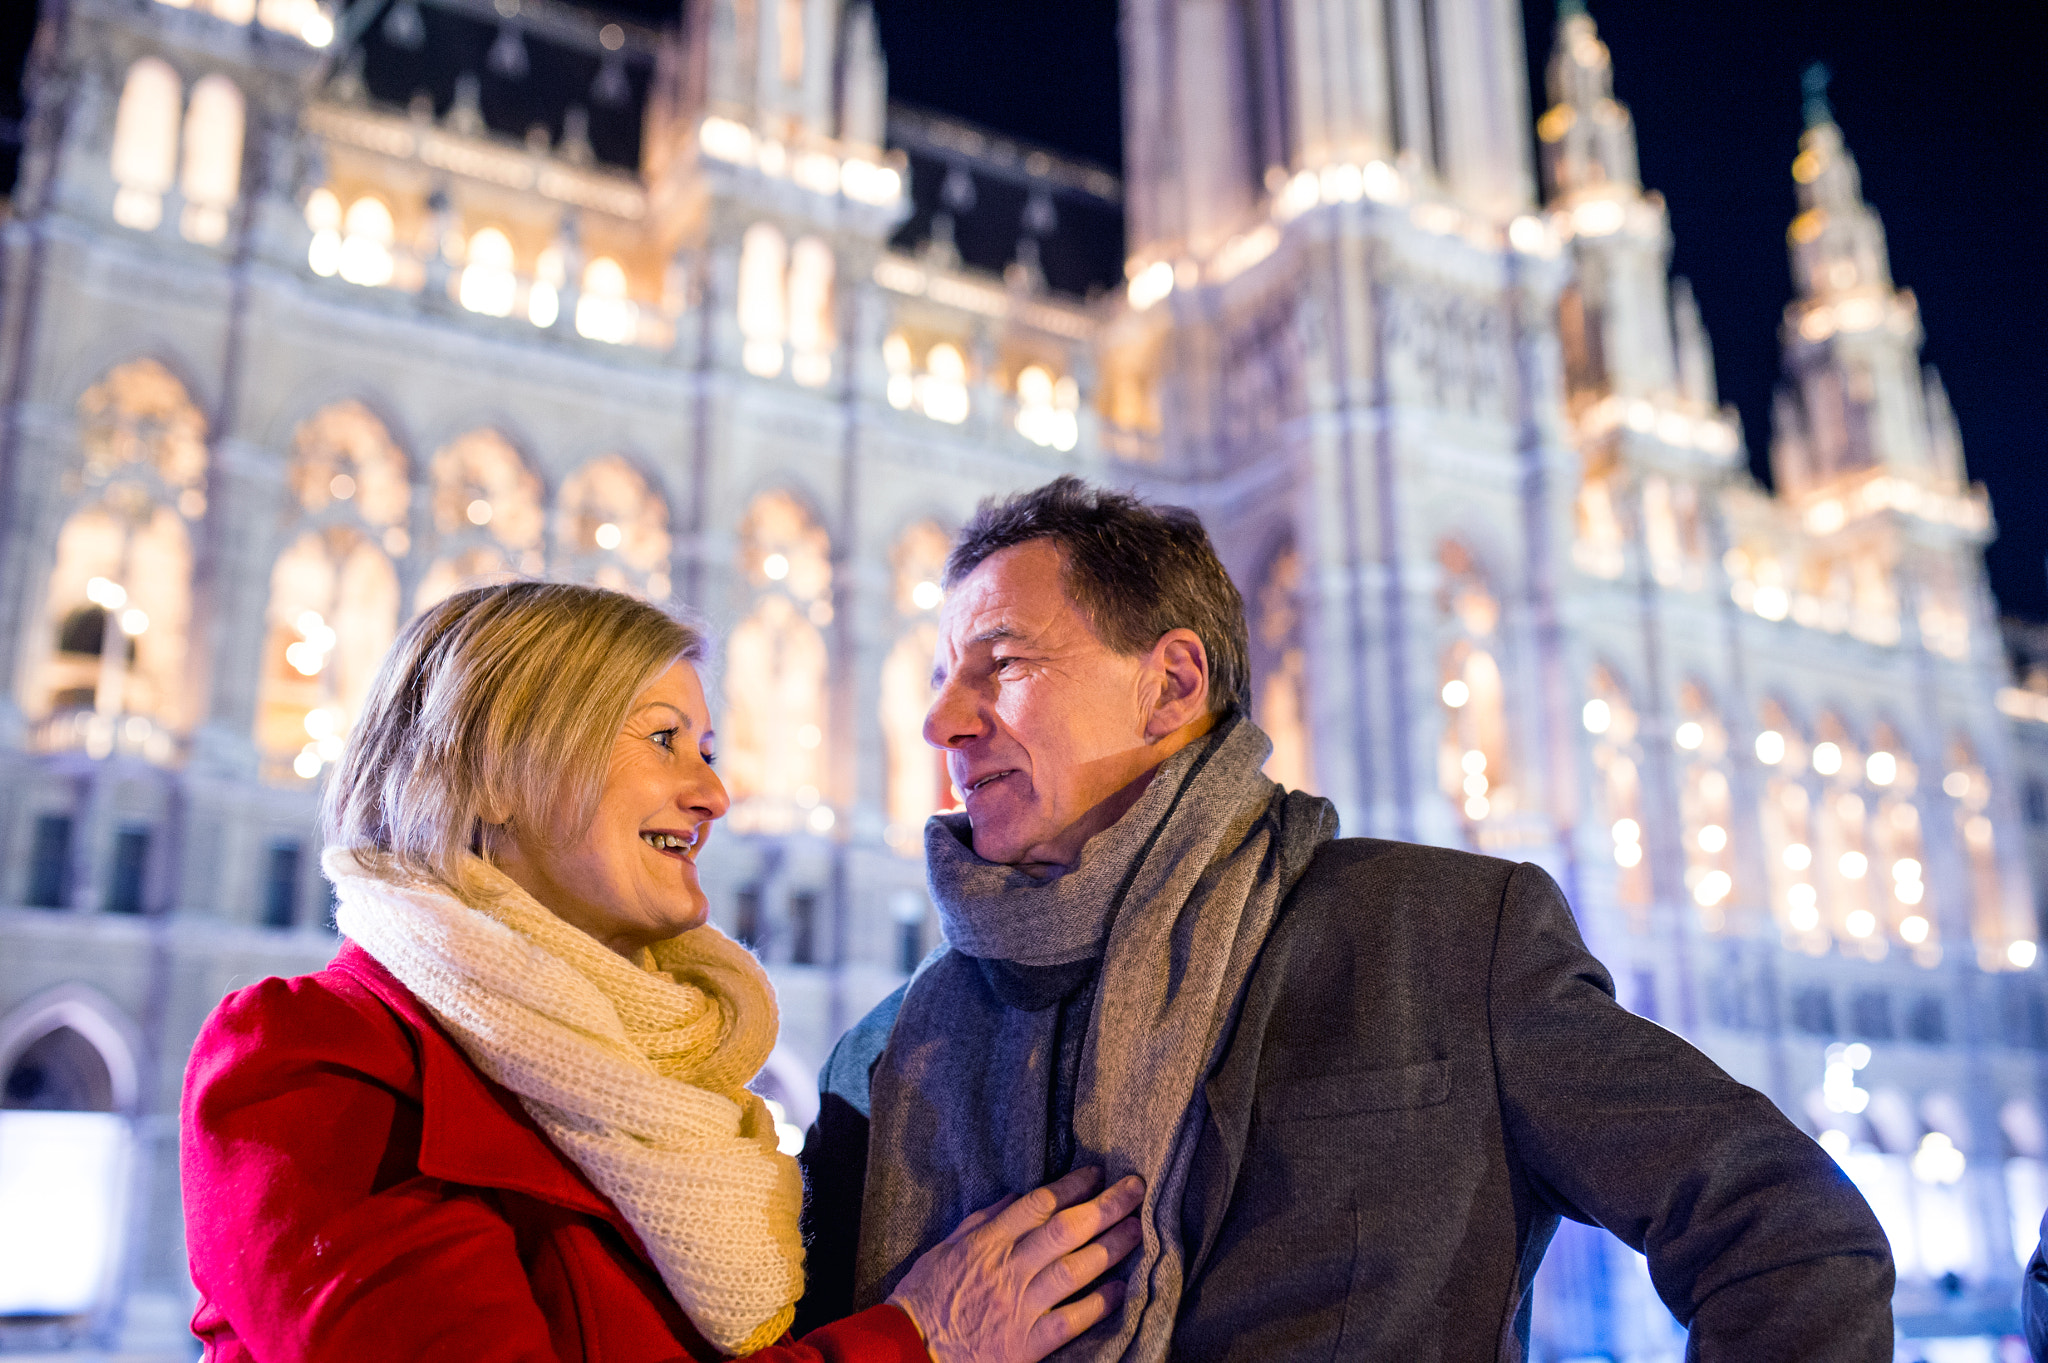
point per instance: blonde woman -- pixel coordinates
(510, 1121)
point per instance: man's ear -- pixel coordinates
(1181, 666)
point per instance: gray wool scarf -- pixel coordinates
(1174, 901)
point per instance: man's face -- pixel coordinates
(1041, 721)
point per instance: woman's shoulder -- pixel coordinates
(352, 1014)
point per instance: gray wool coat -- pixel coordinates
(1427, 1070)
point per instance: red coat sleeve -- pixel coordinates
(880, 1334)
(311, 1230)
(313, 1234)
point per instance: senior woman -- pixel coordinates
(510, 1121)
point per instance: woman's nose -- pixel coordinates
(706, 796)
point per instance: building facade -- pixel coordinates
(307, 319)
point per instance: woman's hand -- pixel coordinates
(991, 1291)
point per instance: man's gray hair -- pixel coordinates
(1136, 571)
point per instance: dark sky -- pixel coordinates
(1945, 106)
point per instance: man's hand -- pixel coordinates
(991, 1292)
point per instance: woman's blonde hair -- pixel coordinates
(499, 705)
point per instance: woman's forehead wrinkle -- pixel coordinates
(682, 715)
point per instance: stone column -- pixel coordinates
(41, 486)
(1215, 142)
(230, 600)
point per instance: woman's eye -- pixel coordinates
(665, 737)
(710, 757)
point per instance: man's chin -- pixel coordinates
(997, 841)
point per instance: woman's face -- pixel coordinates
(630, 879)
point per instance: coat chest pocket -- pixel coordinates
(1345, 1093)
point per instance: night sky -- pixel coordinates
(1944, 105)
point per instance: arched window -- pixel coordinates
(942, 388)
(145, 154)
(488, 520)
(334, 599)
(343, 458)
(323, 216)
(1900, 869)
(938, 388)
(2004, 940)
(612, 529)
(603, 311)
(918, 782)
(1474, 766)
(1787, 820)
(488, 285)
(1704, 806)
(763, 304)
(1048, 409)
(812, 333)
(305, 19)
(1842, 844)
(789, 36)
(1610, 717)
(124, 565)
(773, 733)
(1280, 670)
(64, 1160)
(1601, 542)
(333, 613)
(1671, 531)
(1944, 610)
(544, 297)
(366, 240)
(213, 158)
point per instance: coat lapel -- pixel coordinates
(1229, 1092)
(475, 1131)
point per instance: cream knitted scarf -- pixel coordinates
(636, 1074)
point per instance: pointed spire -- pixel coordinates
(863, 81)
(1587, 136)
(1944, 437)
(1837, 242)
(1695, 354)
(1814, 84)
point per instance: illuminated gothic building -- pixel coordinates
(306, 319)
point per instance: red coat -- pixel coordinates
(356, 1190)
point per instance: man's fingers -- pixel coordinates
(1039, 1206)
(1077, 1270)
(1076, 1226)
(1057, 1327)
(974, 1221)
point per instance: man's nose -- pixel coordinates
(954, 719)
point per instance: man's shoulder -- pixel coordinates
(1393, 873)
(853, 1058)
(1377, 899)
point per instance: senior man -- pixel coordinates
(1361, 1079)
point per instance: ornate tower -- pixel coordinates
(1639, 372)
(1857, 401)
(1224, 99)
(1345, 307)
